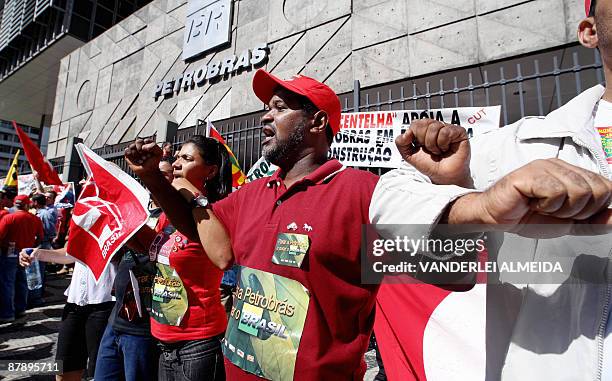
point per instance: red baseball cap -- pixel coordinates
(21, 199)
(318, 93)
(587, 7)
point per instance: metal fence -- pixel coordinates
(530, 85)
(533, 84)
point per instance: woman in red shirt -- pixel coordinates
(187, 316)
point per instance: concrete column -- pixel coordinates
(73, 169)
(164, 127)
(167, 132)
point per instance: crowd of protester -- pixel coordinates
(31, 221)
(164, 309)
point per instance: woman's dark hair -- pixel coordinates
(214, 153)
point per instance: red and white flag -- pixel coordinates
(38, 162)
(111, 208)
(427, 333)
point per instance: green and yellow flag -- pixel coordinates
(238, 177)
(11, 176)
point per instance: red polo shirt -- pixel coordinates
(329, 205)
(20, 227)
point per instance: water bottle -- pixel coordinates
(33, 276)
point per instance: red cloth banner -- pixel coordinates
(38, 162)
(111, 208)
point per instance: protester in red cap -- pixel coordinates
(553, 170)
(300, 311)
(18, 230)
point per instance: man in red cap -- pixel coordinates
(553, 170)
(300, 310)
(18, 230)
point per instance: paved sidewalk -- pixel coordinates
(33, 337)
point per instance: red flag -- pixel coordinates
(212, 132)
(441, 322)
(111, 208)
(38, 162)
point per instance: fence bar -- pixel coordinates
(556, 73)
(486, 87)
(251, 161)
(503, 86)
(577, 73)
(520, 89)
(598, 71)
(441, 93)
(536, 65)
(356, 92)
(456, 91)
(471, 89)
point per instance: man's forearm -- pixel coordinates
(176, 208)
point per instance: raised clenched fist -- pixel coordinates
(143, 157)
(438, 150)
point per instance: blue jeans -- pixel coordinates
(126, 357)
(13, 288)
(192, 360)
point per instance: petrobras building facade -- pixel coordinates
(174, 63)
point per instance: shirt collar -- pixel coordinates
(572, 119)
(319, 176)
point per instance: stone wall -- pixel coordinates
(105, 92)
